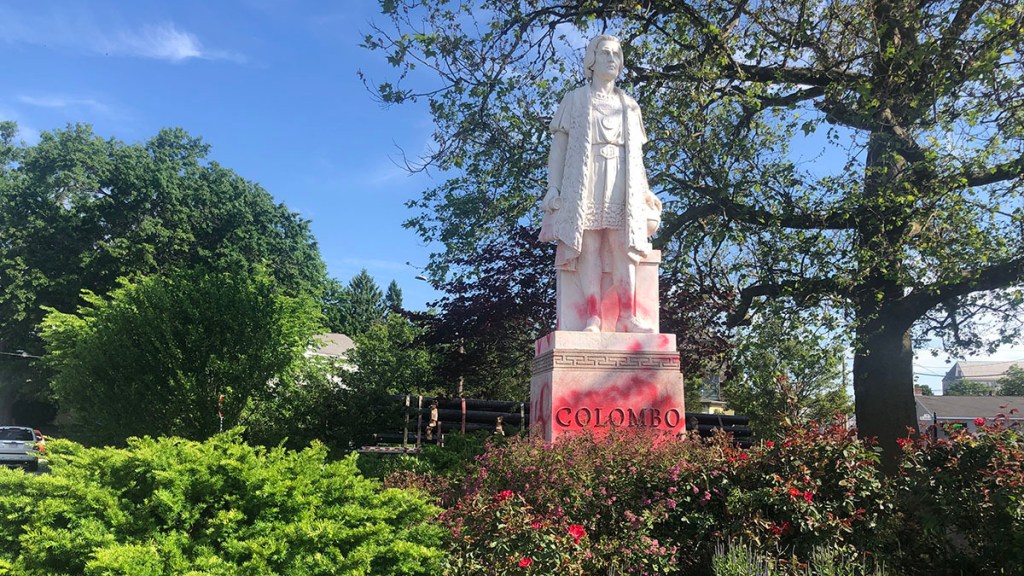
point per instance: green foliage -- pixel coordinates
(924, 389)
(393, 298)
(1012, 384)
(389, 360)
(964, 387)
(303, 406)
(961, 501)
(361, 306)
(657, 506)
(171, 506)
(785, 370)
(164, 355)
(77, 212)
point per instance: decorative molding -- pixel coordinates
(604, 360)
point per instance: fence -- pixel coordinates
(428, 419)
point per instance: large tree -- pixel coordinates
(859, 157)
(78, 211)
(172, 355)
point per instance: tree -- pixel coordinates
(1012, 383)
(389, 360)
(167, 355)
(77, 212)
(393, 297)
(968, 388)
(859, 157)
(354, 308)
(924, 389)
(492, 314)
(784, 371)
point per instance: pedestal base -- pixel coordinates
(600, 381)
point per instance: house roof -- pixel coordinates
(334, 345)
(970, 407)
(979, 371)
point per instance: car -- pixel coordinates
(21, 447)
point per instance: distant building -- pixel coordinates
(987, 373)
(963, 410)
(333, 345)
(335, 348)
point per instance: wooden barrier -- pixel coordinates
(428, 419)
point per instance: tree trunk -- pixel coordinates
(883, 384)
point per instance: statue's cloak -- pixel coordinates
(566, 224)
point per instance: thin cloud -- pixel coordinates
(64, 102)
(161, 42)
(85, 31)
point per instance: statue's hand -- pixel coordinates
(551, 201)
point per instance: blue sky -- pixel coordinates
(271, 85)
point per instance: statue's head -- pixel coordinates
(591, 56)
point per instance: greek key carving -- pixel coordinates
(586, 360)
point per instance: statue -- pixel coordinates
(598, 206)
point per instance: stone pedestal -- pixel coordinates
(599, 381)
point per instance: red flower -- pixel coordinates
(808, 495)
(770, 444)
(979, 421)
(503, 495)
(904, 441)
(536, 525)
(743, 456)
(794, 491)
(525, 562)
(577, 532)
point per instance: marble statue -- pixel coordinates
(598, 206)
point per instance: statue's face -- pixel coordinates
(606, 65)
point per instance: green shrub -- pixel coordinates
(171, 506)
(657, 507)
(960, 503)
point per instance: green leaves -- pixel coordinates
(155, 356)
(169, 506)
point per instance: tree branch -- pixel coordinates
(999, 275)
(797, 288)
(999, 173)
(719, 202)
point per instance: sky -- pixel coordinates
(273, 86)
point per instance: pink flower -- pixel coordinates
(979, 421)
(808, 495)
(577, 532)
(526, 562)
(503, 495)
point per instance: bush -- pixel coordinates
(172, 506)
(960, 502)
(647, 506)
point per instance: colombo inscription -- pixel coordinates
(615, 417)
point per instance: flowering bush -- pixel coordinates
(819, 487)
(960, 502)
(624, 502)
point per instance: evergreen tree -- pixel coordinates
(393, 297)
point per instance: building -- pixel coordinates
(987, 373)
(964, 410)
